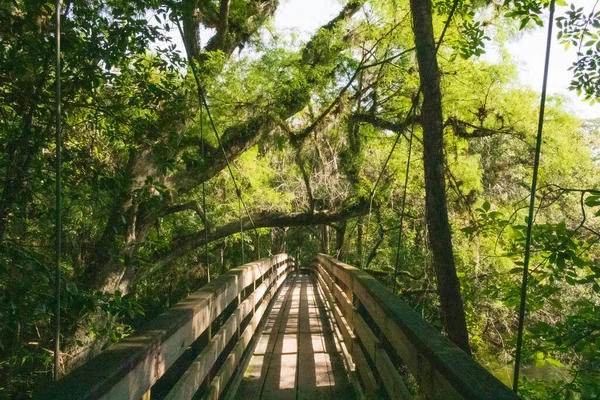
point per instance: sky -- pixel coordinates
(528, 50)
(303, 17)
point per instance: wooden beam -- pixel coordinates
(129, 368)
(439, 366)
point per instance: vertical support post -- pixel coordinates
(325, 239)
(58, 222)
(239, 301)
(254, 292)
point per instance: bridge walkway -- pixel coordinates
(297, 355)
(271, 330)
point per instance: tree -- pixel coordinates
(440, 237)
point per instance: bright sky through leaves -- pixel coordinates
(305, 16)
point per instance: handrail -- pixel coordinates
(225, 313)
(381, 332)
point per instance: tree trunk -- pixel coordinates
(340, 233)
(440, 239)
(325, 239)
(277, 240)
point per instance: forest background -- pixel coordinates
(319, 130)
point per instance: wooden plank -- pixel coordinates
(367, 337)
(280, 380)
(342, 324)
(129, 368)
(314, 381)
(333, 267)
(341, 297)
(441, 368)
(345, 382)
(362, 366)
(193, 377)
(390, 377)
(217, 296)
(227, 370)
(253, 379)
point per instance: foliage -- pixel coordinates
(307, 127)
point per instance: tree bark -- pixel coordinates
(184, 244)
(440, 238)
(325, 239)
(340, 234)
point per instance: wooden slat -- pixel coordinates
(193, 377)
(129, 368)
(341, 297)
(368, 339)
(394, 385)
(280, 379)
(227, 370)
(440, 367)
(362, 366)
(346, 384)
(314, 369)
(342, 324)
(390, 377)
(252, 380)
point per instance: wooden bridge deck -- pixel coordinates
(200, 347)
(297, 355)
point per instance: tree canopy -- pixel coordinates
(302, 146)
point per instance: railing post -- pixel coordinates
(239, 301)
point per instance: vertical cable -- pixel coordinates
(536, 165)
(58, 221)
(241, 226)
(204, 191)
(410, 140)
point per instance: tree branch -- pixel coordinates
(460, 129)
(221, 35)
(192, 205)
(377, 122)
(239, 138)
(184, 244)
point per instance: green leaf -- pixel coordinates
(554, 362)
(486, 206)
(540, 363)
(592, 201)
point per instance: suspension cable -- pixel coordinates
(412, 110)
(58, 221)
(410, 141)
(203, 103)
(536, 165)
(241, 230)
(204, 210)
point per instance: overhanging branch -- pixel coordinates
(238, 138)
(185, 244)
(460, 129)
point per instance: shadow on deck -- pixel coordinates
(297, 355)
(265, 331)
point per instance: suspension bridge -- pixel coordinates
(272, 330)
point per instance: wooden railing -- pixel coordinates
(382, 336)
(195, 345)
